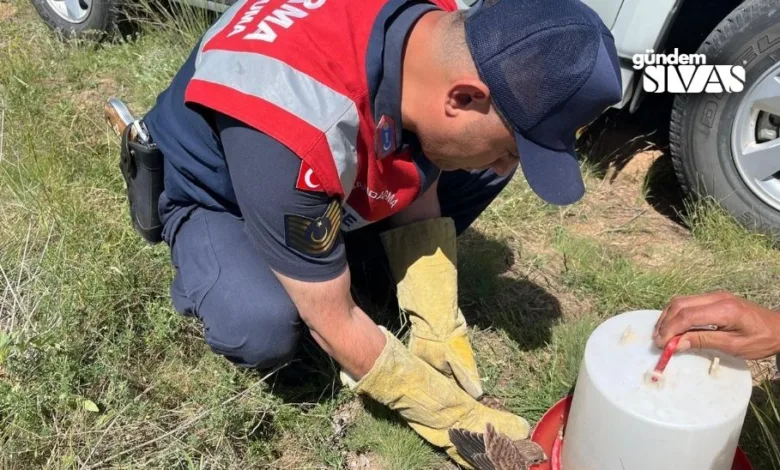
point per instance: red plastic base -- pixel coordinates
(548, 434)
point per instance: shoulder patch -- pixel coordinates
(313, 237)
(307, 180)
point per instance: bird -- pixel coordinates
(493, 450)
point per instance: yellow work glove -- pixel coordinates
(423, 260)
(429, 402)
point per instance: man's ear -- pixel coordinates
(467, 94)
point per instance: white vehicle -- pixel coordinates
(723, 145)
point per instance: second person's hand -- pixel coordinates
(745, 329)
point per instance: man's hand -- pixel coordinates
(745, 329)
(431, 403)
(385, 370)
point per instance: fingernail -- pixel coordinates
(683, 345)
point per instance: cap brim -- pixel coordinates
(554, 175)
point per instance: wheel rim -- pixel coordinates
(74, 11)
(755, 141)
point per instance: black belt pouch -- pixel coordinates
(142, 168)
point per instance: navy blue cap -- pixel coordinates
(551, 67)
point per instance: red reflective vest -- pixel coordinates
(296, 70)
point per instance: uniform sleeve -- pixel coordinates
(296, 231)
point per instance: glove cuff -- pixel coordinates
(406, 244)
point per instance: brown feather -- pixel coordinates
(482, 462)
(502, 451)
(471, 446)
(495, 451)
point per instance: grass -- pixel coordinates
(766, 412)
(392, 442)
(619, 284)
(86, 319)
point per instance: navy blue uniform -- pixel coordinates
(227, 189)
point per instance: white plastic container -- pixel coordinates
(619, 421)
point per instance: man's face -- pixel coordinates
(467, 133)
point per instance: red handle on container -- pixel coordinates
(666, 355)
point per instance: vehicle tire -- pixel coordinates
(726, 146)
(96, 19)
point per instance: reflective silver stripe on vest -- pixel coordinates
(274, 81)
(342, 140)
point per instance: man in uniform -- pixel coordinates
(296, 122)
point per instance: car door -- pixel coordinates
(607, 9)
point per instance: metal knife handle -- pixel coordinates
(703, 327)
(119, 116)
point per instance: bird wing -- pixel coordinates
(471, 446)
(502, 452)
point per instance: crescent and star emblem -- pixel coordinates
(314, 237)
(323, 230)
